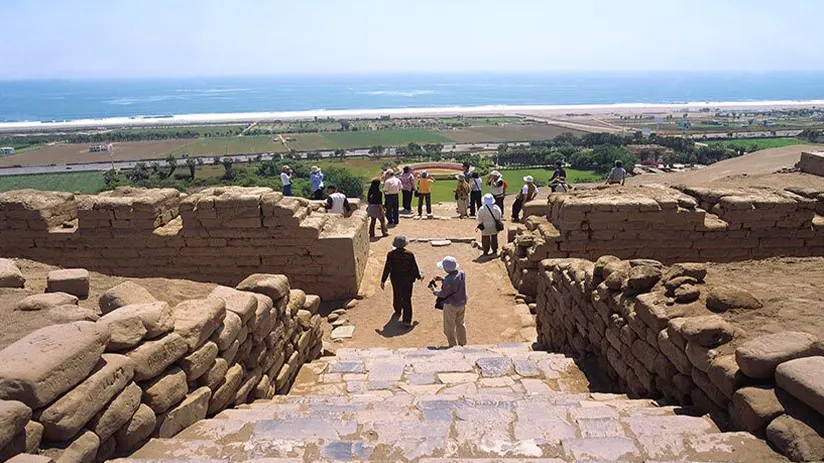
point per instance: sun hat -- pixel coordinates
(495, 173)
(461, 177)
(448, 264)
(488, 200)
(529, 179)
(313, 169)
(400, 242)
(390, 172)
(285, 168)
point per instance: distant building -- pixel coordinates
(100, 148)
(6, 150)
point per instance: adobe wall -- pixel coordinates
(218, 235)
(661, 333)
(667, 224)
(87, 391)
(812, 162)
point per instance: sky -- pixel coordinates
(177, 38)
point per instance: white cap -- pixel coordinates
(488, 200)
(495, 173)
(390, 172)
(448, 264)
(313, 169)
(529, 179)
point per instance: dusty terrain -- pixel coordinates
(62, 153)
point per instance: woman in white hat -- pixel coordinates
(490, 224)
(453, 295)
(316, 178)
(528, 193)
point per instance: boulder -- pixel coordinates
(759, 357)
(686, 269)
(642, 278)
(152, 357)
(117, 412)
(707, 331)
(10, 275)
(130, 324)
(804, 379)
(687, 293)
(81, 449)
(225, 393)
(753, 408)
(615, 266)
(13, 418)
(617, 279)
(726, 376)
(71, 313)
(136, 430)
(197, 319)
(601, 263)
(45, 301)
(297, 299)
(242, 303)
(228, 331)
(199, 361)
(274, 286)
(48, 362)
(124, 294)
(29, 458)
(27, 441)
(192, 409)
(701, 357)
(312, 303)
(676, 282)
(71, 280)
(724, 297)
(796, 439)
(214, 375)
(166, 390)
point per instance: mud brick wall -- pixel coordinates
(88, 391)
(812, 162)
(651, 330)
(666, 224)
(217, 235)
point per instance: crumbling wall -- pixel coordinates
(660, 332)
(216, 235)
(86, 391)
(812, 162)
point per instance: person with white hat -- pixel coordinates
(453, 296)
(286, 180)
(392, 187)
(401, 269)
(498, 185)
(528, 193)
(490, 224)
(316, 178)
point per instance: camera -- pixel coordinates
(432, 283)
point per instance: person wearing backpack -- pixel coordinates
(490, 224)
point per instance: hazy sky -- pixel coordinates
(138, 38)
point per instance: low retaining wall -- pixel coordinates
(87, 391)
(812, 162)
(217, 235)
(652, 329)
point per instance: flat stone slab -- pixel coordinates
(73, 281)
(601, 448)
(343, 332)
(493, 367)
(804, 379)
(759, 357)
(440, 243)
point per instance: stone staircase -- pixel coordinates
(479, 404)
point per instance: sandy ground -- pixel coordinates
(63, 153)
(17, 324)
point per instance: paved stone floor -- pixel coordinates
(478, 404)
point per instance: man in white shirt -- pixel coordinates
(286, 180)
(336, 202)
(392, 187)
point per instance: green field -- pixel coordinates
(83, 182)
(221, 146)
(364, 139)
(762, 143)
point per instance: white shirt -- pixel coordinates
(285, 179)
(497, 190)
(392, 186)
(338, 199)
(487, 215)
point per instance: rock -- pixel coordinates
(152, 357)
(250, 380)
(653, 310)
(10, 275)
(274, 286)
(701, 357)
(617, 279)
(753, 408)
(197, 319)
(343, 332)
(29, 458)
(724, 297)
(117, 412)
(795, 439)
(165, 391)
(225, 393)
(227, 332)
(124, 294)
(643, 277)
(242, 303)
(199, 361)
(192, 409)
(726, 376)
(674, 283)
(45, 301)
(339, 322)
(261, 391)
(215, 374)
(106, 450)
(614, 266)
(803, 379)
(339, 311)
(304, 315)
(132, 323)
(297, 299)
(687, 293)
(759, 357)
(687, 269)
(312, 303)
(66, 416)
(73, 281)
(707, 331)
(332, 317)
(136, 430)
(48, 362)
(81, 449)
(440, 243)
(27, 441)
(647, 262)
(351, 304)
(13, 418)
(329, 349)
(601, 263)
(71, 313)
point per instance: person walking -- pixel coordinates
(316, 179)
(402, 270)
(408, 187)
(391, 189)
(528, 193)
(453, 295)
(461, 195)
(286, 180)
(375, 209)
(617, 175)
(425, 193)
(490, 224)
(336, 202)
(498, 186)
(475, 194)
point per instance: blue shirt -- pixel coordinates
(453, 289)
(317, 181)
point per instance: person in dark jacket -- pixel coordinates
(375, 208)
(402, 269)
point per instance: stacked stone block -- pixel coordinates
(86, 391)
(653, 330)
(132, 209)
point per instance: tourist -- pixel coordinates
(316, 178)
(336, 202)
(453, 296)
(475, 193)
(528, 193)
(461, 195)
(391, 189)
(425, 182)
(467, 170)
(490, 224)
(617, 175)
(559, 172)
(375, 209)
(498, 185)
(408, 186)
(402, 269)
(286, 180)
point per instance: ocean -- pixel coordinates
(68, 100)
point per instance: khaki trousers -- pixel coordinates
(462, 207)
(453, 324)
